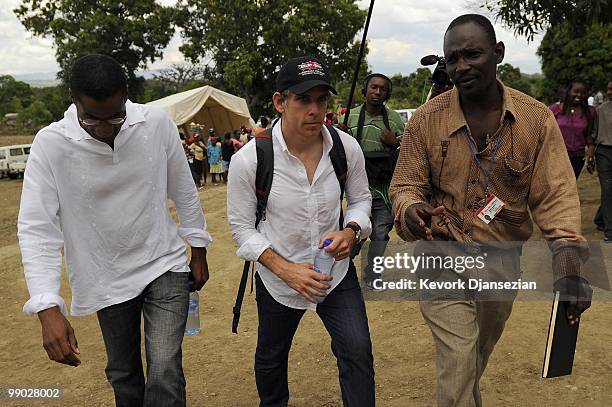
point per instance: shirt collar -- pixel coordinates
(73, 129)
(457, 118)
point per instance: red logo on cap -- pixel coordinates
(310, 65)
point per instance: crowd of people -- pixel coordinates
(212, 154)
(476, 164)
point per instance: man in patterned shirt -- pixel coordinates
(478, 143)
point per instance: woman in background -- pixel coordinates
(576, 119)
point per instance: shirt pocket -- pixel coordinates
(511, 181)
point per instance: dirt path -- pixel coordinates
(219, 366)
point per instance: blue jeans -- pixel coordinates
(603, 218)
(382, 223)
(344, 316)
(164, 304)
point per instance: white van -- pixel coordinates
(405, 113)
(13, 160)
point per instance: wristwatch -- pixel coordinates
(355, 228)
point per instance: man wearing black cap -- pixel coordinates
(303, 211)
(378, 130)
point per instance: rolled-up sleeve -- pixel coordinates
(410, 182)
(183, 192)
(358, 196)
(40, 235)
(242, 205)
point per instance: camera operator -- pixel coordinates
(440, 80)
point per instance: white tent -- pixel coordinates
(209, 107)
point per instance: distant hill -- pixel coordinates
(45, 79)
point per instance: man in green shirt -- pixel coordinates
(379, 132)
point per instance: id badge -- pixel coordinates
(490, 209)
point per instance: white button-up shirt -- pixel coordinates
(298, 214)
(108, 209)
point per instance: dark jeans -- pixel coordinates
(196, 171)
(164, 304)
(577, 164)
(603, 218)
(382, 223)
(344, 316)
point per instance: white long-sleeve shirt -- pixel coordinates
(298, 214)
(108, 209)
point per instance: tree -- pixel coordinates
(177, 78)
(512, 76)
(14, 95)
(528, 17)
(134, 32)
(566, 56)
(35, 115)
(55, 98)
(248, 40)
(410, 91)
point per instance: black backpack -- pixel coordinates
(263, 183)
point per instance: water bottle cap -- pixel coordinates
(327, 242)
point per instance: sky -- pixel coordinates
(400, 33)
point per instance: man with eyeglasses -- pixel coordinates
(96, 186)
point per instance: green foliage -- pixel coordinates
(512, 76)
(134, 32)
(178, 78)
(36, 114)
(14, 95)
(528, 17)
(567, 56)
(248, 40)
(55, 98)
(410, 91)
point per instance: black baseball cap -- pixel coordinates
(302, 74)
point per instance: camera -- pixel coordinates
(439, 77)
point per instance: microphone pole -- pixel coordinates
(359, 58)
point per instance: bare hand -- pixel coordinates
(199, 267)
(58, 337)
(418, 218)
(342, 242)
(590, 151)
(578, 293)
(591, 164)
(303, 279)
(388, 137)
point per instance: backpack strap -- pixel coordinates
(337, 156)
(263, 183)
(361, 121)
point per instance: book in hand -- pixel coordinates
(561, 343)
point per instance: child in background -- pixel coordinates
(214, 159)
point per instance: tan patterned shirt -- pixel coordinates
(531, 173)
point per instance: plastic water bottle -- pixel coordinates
(193, 317)
(323, 262)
